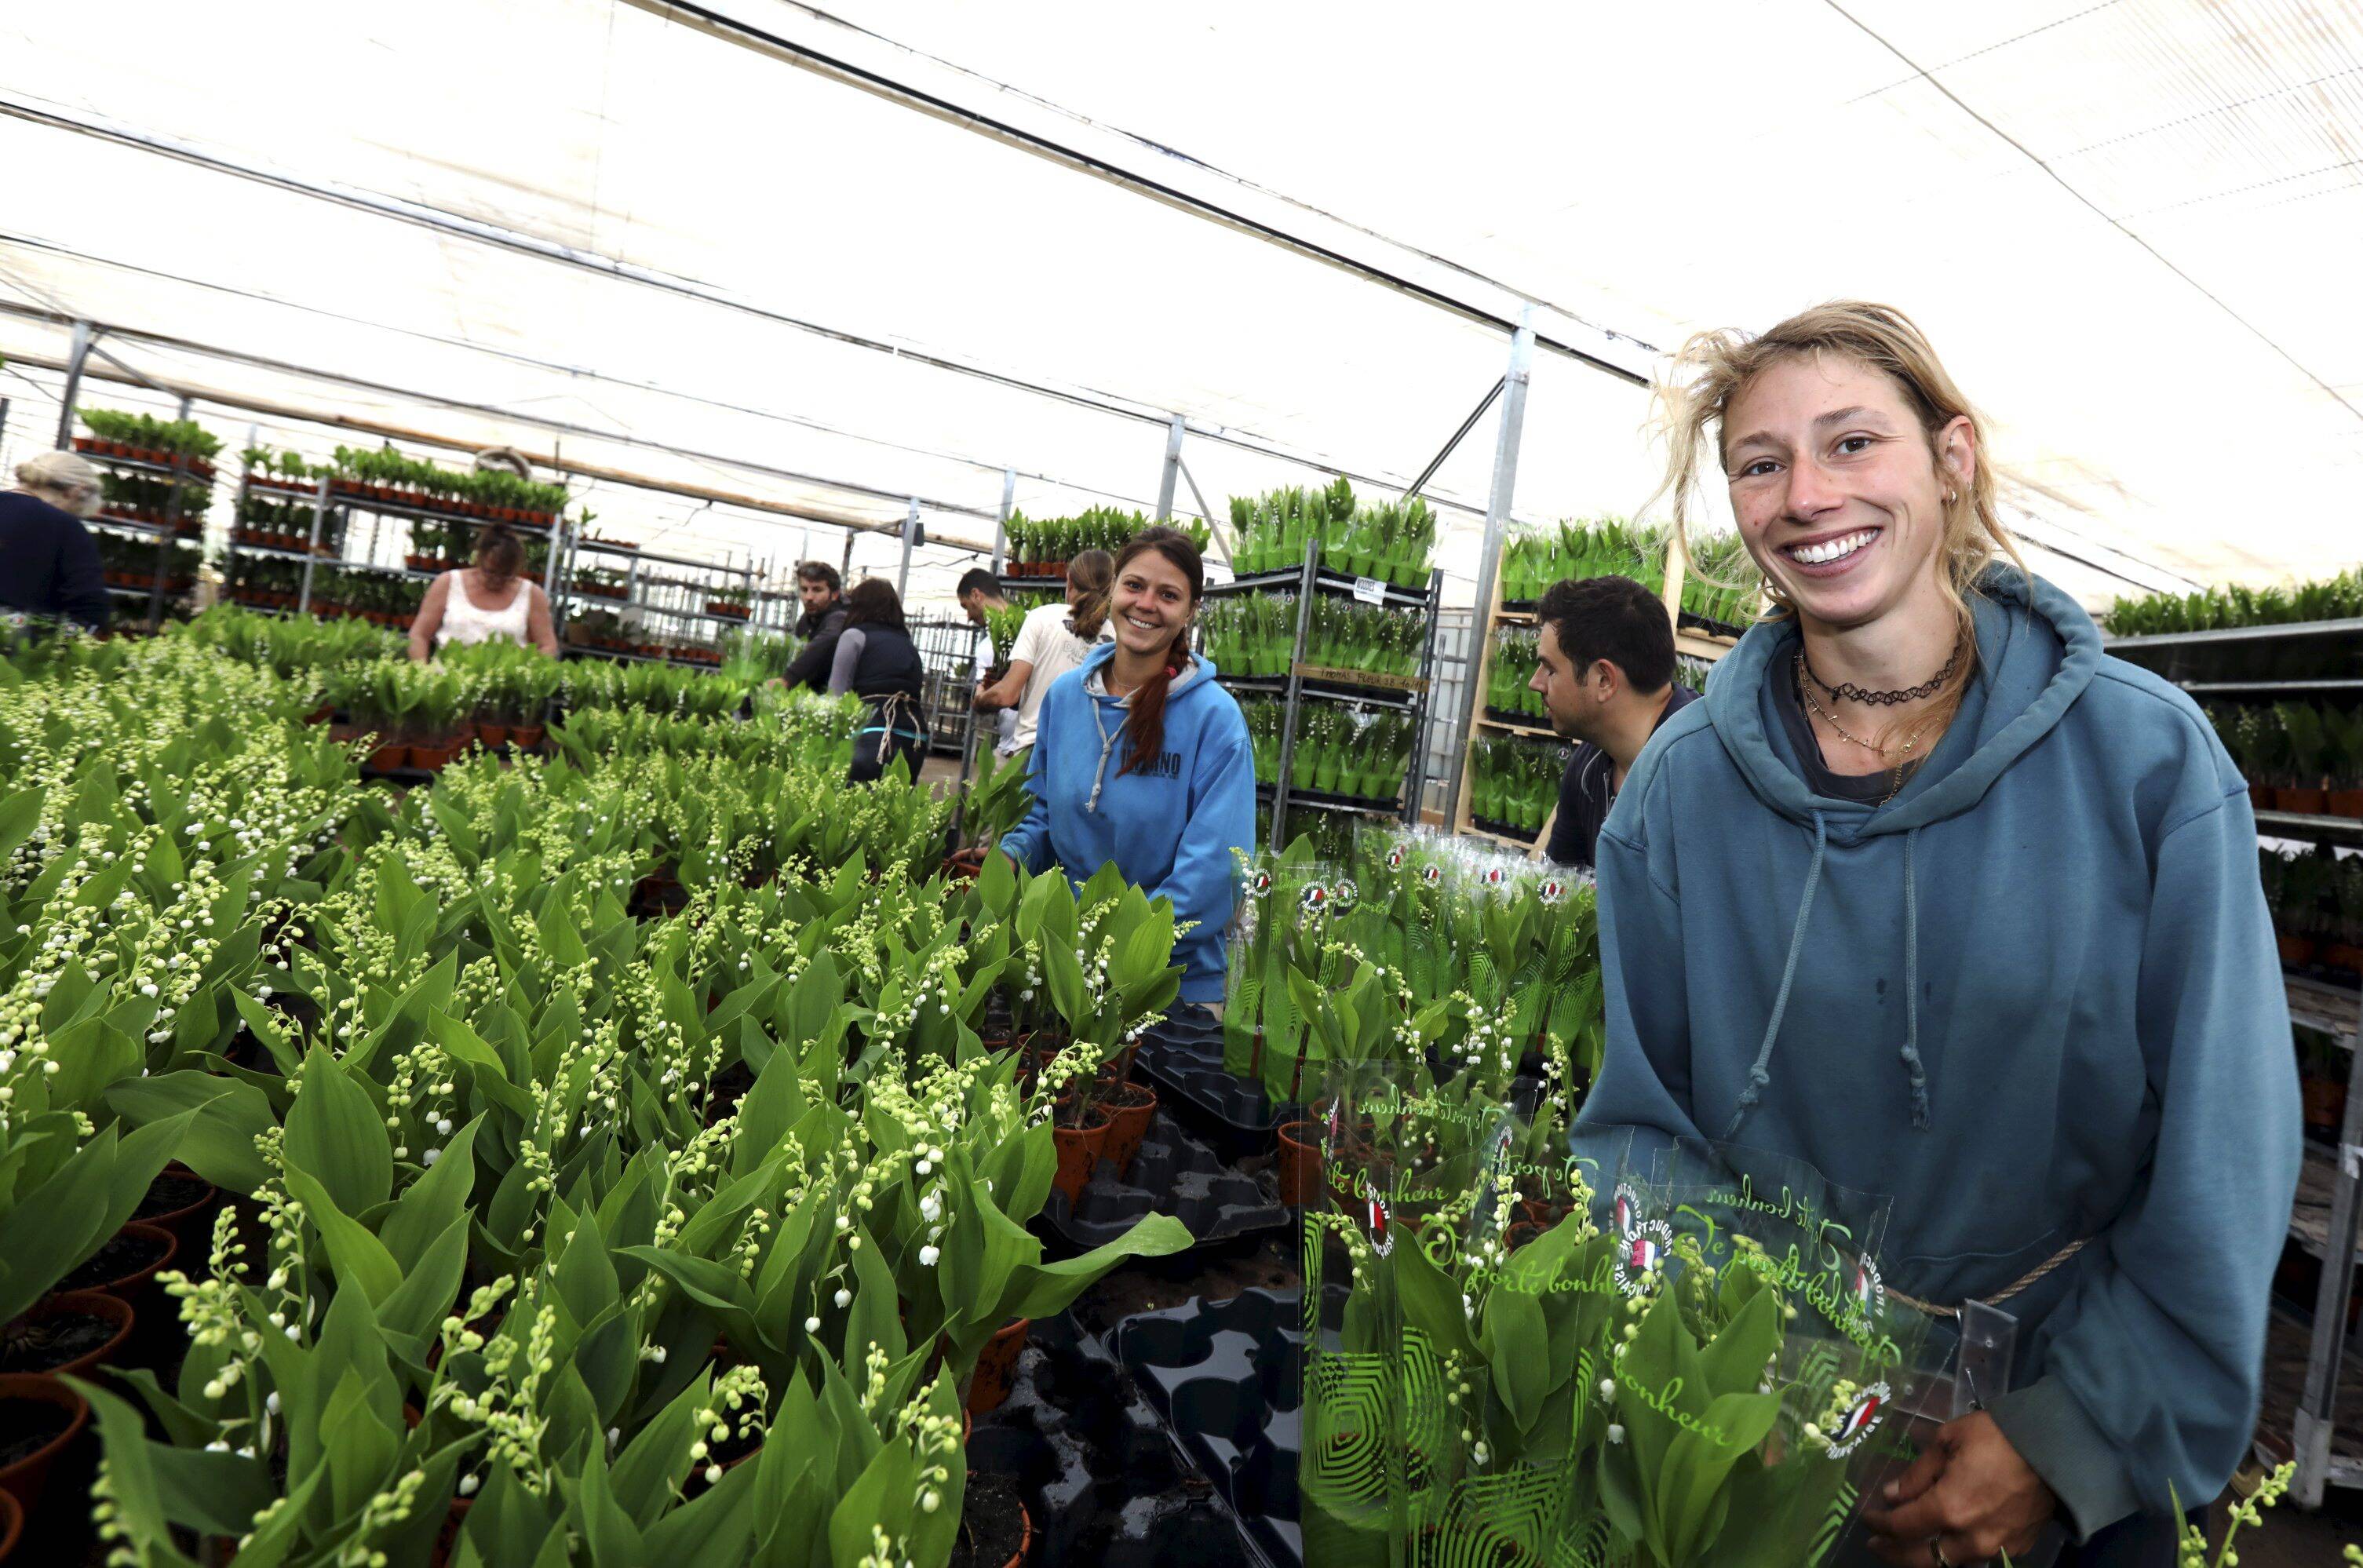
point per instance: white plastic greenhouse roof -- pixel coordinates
(837, 260)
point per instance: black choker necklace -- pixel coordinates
(1847, 690)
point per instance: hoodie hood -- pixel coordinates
(2037, 652)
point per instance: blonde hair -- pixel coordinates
(1714, 368)
(62, 474)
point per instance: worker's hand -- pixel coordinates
(1970, 1495)
(983, 701)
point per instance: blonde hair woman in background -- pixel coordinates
(49, 563)
(1053, 638)
(1930, 893)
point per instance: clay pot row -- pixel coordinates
(183, 527)
(1053, 569)
(734, 612)
(2307, 802)
(2298, 952)
(260, 539)
(434, 756)
(427, 503)
(194, 467)
(173, 586)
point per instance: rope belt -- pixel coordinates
(2017, 1285)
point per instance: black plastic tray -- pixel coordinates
(1226, 1376)
(1173, 1173)
(1101, 1477)
(1184, 1056)
(1503, 829)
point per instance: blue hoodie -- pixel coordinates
(2035, 997)
(1170, 828)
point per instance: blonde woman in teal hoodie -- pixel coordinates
(1931, 893)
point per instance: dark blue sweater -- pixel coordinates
(48, 564)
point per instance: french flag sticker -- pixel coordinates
(1381, 1241)
(1859, 1422)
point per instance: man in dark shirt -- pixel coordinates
(821, 589)
(1607, 676)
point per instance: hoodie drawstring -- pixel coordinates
(1910, 1054)
(1760, 1074)
(1107, 747)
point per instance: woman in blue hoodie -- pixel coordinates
(1141, 759)
(1934, 895)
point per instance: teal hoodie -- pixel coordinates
(2035, 997)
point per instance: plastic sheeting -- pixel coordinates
(589, 225)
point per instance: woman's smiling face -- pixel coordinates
(1152, 604)
(1834, 489)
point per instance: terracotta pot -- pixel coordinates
(996, 1367)
(319, 715)
(2326, 1102)
(127, 1287)
(1025, 1537)
(493, 734)
(447, 1539)
(192, 1224)
(2305, 801)
(2295, 950)
(12, 1523)
(526, 737)
(22, 1480)
(2344, 803)
(2343, 955)
(1299, 1165)
(1080, 1148)
(1128, 1121)
(112, 1310)
(386, 758)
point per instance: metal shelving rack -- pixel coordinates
(1691, 642)
(180, 469)
(670, 607)
(2195, 661)
(1306, 681)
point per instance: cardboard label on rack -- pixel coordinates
(1370, 590)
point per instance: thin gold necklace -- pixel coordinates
(1911, 737)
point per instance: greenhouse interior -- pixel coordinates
(952, 786)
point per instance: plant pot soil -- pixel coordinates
(997, 1365)
(1131, 1107)
(182, 1202)
(39, 1417)
(994, 1531)
(127, 1261)
(1080, 1148)
(67, 1334)
(1298, 1165)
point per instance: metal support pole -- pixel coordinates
(83, 337)
(1213, 523)
(1001, 523)
(1466, 426)
(239, 507)
(311, 552)
(1497, 520)
(1304, 592)
(968, 741)
(1172, 468)
(172, 533)
(2316, 1411)
(1418, 781)
(4, 436)
(845, 570)
(910, 536)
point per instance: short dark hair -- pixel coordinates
(499, 553)
(874, 602)
(977, 580)
(820, 572)
(1614, 618)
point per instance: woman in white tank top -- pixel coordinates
(490, 601)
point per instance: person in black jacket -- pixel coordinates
(818, 586)
(872, 656)
(49, 567)
(1604, 667)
